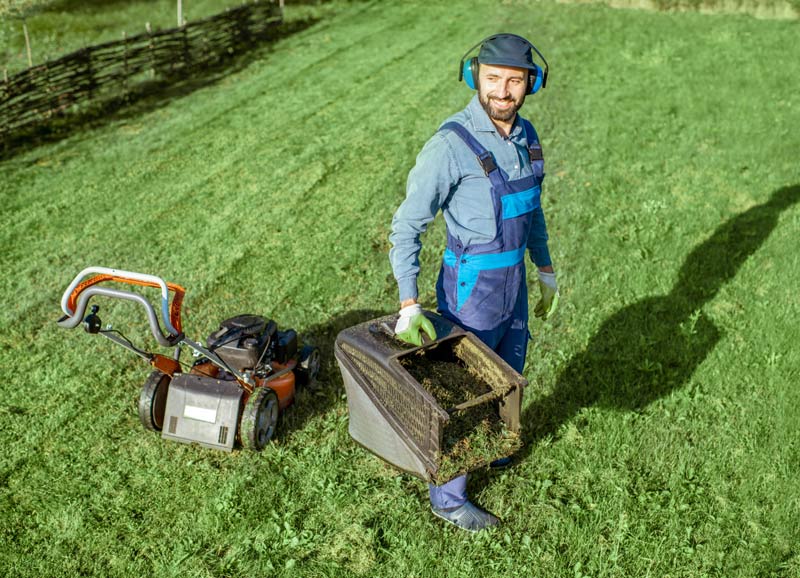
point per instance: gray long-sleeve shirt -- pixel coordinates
(447, 176)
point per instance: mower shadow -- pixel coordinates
(650, 348)
(327, 391)
(146, 97)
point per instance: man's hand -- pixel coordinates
(549, 301)
(410, 324)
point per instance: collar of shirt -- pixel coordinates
(482, 123)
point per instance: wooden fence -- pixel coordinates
(114, 70)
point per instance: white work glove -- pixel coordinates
(411, 321)
(549, 301)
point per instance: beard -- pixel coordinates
(489, 104)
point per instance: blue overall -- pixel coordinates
(482, 287)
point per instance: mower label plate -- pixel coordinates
(202, 410)
(200, 413)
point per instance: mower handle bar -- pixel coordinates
(78, 294)
(141, 278)
(72, 321)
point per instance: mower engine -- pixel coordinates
(203, 406)
(251, 343)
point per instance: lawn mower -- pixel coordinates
(239, 382)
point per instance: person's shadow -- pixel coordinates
(649, 348)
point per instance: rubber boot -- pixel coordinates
(467, 517)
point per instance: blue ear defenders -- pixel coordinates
(468, 69)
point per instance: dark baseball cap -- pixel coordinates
(507, 50)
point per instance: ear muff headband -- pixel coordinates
(468, 69)
(469, 72)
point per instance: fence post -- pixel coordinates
(125, 73)
(187, 52)
(151, 46)
(90, 84)
(5, 88)
(27, 43)
(245, 29)
(48, 89)
(4, 127)
(229, 35)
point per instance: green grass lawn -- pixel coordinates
(661, 423)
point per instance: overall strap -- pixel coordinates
(527, 127)
(484, 157)
(534, 146)
(534, 149)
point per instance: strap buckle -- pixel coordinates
(535, 152)
(487, 162)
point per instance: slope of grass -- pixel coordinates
(661, 431)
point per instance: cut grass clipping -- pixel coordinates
(472, 437)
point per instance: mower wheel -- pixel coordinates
(259, 419)
(153, 400)
(308, 367)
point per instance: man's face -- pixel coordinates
(501, 90)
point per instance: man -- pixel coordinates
(483, 169)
